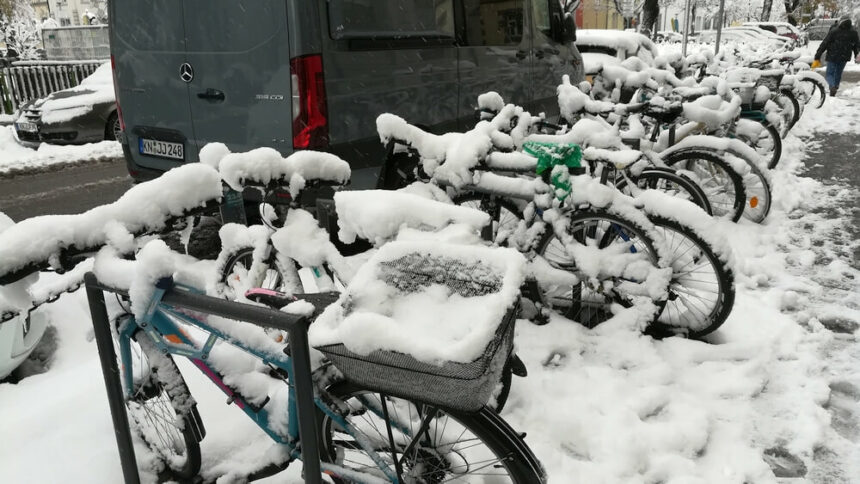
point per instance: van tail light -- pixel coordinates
(310, 124)
(116, 94)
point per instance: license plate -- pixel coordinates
(28, 127)
(164, 149)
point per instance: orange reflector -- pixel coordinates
(173, 338)
(754, 202)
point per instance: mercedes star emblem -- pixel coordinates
(186, 72)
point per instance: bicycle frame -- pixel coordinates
(159, 323)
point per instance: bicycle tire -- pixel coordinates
(816, 86)
(772, 153)
(161, 396)
(587, 306)
(238, 264)
(660, 178)
(681, 314)
(758, 194)
(508, 449)
(723, 186)
(506, 216)
(796, 109)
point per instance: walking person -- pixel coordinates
(841, 44)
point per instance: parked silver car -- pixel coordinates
(82, 114)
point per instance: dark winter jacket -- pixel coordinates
(841, 43)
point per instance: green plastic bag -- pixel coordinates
(550, 155)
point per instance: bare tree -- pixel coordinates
(790, 7)
(766, 8)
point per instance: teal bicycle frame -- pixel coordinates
(159, 324)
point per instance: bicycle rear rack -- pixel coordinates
(296, 326)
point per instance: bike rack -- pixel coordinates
(264, 317)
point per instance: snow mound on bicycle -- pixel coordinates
(436, 302)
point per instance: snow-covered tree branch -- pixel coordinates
(20, 29)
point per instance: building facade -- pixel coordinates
(76, 12)
(599, 14)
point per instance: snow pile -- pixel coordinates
(302, 240)
(435, 302)
(266, 165)
(629, 42)
(15, 158)
(378, 215)
(572, 101)
(712, 110)
(430, 146)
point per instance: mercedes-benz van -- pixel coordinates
(315, 74)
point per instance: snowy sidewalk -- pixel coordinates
(774, 396)
(16, 159)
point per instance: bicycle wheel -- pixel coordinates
(505, 214)
(161, 409)
(432, 445)
(588, 302)
(763, 137)
(723, 186)
(238, 274)
(669, 181)
(702, 291)
(758, 194)
(791, 110)
(814, 92)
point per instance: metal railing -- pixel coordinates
(27, 80)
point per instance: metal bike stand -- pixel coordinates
(295, 326)
(110, 371)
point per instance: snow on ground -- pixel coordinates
(776, 387)
(15, 157)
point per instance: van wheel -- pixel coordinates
(113, 129)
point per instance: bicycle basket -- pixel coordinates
(413, 270)
(771, 82)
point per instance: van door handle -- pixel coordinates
(212, 95)
(521, 54)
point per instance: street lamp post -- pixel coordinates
(719, 26)
(686, 27)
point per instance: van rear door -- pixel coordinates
(149, 50)
(240, 94)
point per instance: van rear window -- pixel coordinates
(396, 19)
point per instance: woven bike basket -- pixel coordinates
(449, 384)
